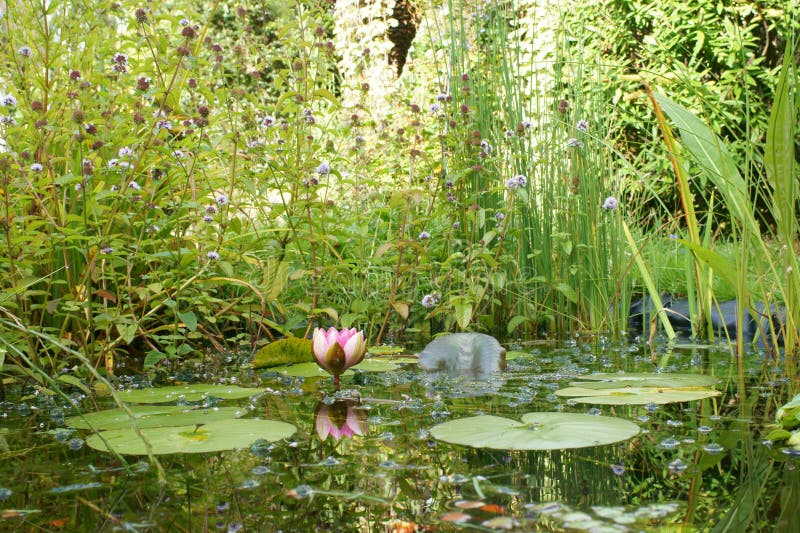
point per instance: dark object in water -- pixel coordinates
(471, 354)
(723, 319)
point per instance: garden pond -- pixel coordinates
(374, 456)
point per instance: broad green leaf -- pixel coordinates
(75, 382)
(644, 379)
(779, 158)
(537, 431)
(283, 352)
(127, 331)
(312, 370)
(721, 265)
(151, 416)
(212, 437)
(714, 159)
(463, 312)
(189, 319)
(515, 322)
(189, 393)
(568, 292)
(636, 395)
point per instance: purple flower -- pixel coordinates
(435, 108)
(324, 169)
(517, 182)
(37, 167)
(430, 300)
(164, 125)
(120, 59)
(456, 224)
(618, 469)
(221, 199)
(610, 203)
(212, 255)
(106, 250)
(582, 125)
(268, 121)
(125, 151)
(135, 186)
(572, 142)
(424, 235)
(499, 216)
(8, 101)
(113, 163)
(25, 51)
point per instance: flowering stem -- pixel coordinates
(336, 383)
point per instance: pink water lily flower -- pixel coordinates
(336, 351)
(341, 419)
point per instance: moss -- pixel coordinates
(283, 352)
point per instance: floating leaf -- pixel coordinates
(150, 416)
(211, 437)
(385, 350)
(635, 395)
(644, 379)
(311, 370)
(537, 431)
(189, 393)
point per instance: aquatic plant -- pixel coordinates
(337, 350)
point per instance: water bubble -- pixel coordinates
(63, 434)
(713, 448)
(688, 440)
(704, 429)
(5, 494)
(235, 527)
(651, 407)
(301, 491)
(643, 418)
(330, 461)
(594, 411)
(674, 423)
(791, 452)
(389, 464)
(714, 417)
(669, 444)
(75, 444)
(260, 470)
(261, 448)
(677, 466)
(250, 484)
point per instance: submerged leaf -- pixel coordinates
(312, 370)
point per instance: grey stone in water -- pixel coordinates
(472, 354)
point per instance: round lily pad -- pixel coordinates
(150, 416)
(212, 437)
(312, 370)
(189, 393)
(644, 379)
(537, 431)
(635, 395)
(385, 350)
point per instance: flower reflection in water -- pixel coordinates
(342, 418)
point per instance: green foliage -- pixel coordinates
(284, 352)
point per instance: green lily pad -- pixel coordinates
(537, 431)
(312, 370)
(516, 354)
(212, 437)
(385, 350)
(189, 393)
(150, 416)
(635, 395)
(644, 379)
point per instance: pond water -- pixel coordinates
(694, 466)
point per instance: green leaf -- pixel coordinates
(212, 437)
(312, 370)
(779, 157)
(283, 352)
(127, 331)
(635, 395)
(537, 431)
(568, 292)
(151, 416)
(721, 264)
(463, 312)
(644, 379)
(515, 322)
(189, 393)
(75, 382)
(189, 319)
